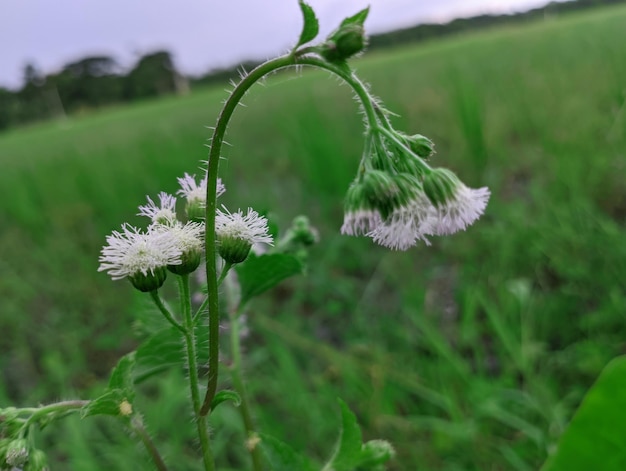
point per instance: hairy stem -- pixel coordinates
(238, 384)
(192, 365)
(137, 426)
(165, 311)
(296, 58)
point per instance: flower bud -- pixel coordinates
(344, 43)
(190, 261)
(440, 185)
(37, 461)
(195, 210)
(17, 452)
(233, 249)
(150, 281)
(419, 144)
(376, 452)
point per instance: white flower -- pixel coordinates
(360, 222)
(404, 227)
(460, 211)
(237, 233)
(164, 214)
(130, 252)
(187, 237)
(196, 192)
(250, 228)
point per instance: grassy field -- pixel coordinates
(471, 354)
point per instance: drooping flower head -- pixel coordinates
(142, 257)
(457, 206)
(164, 214)
(188, 238)
(195, 193)
(236, 233)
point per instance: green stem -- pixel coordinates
(137, 426)
(165, 311)
(225, 269)
(217, 140)
(391, 136)
(238, 384)
(192, 365)
(211, 197)
(63, 406)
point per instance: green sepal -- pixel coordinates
(357, 19)
(226, 395)
(260, 273)
(311, 26)
(281, 456)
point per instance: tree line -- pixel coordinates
(97, 81)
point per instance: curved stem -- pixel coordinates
(210, 252)
(192, 364)
(63, 406)
(165, 311)
(217, 139)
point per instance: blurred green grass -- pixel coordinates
(470, 354)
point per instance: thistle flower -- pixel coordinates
(142, 257)
(236, 233)
(195, 193)
(165, 214)
(456, 205)
(405, 226)
(188, 238)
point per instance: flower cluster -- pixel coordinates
(398, 200)
(169, 244)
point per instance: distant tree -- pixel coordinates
(153, 75)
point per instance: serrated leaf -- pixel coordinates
(311, 26)
(226, 395)
(347, 454)
(122, 375)
(260, 273)
(357, 19)
(595, 438)
(107, 404)
(281, 456)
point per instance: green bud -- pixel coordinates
(195, 210)
(190, 262)
(17, 452)
(37, 461)
(151, 281)
(381, 191)
(344, 43)
(440, 185)
(375, 453)
(233, 249)
(419, 144)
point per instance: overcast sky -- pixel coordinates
(202, 34)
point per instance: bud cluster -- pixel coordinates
(397, 199)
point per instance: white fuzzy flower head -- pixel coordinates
(195, 193)
(456, 205)
(405, 226)
(237, 233)
(189, 240)
(164, 214)
(142, 257)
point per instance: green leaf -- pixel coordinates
(260, 273)
(226, 395)
(122, 375)
(347, 454)
(311, 26)
(357, 19)
(107, 404)
(595, 438)
(281, 456)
